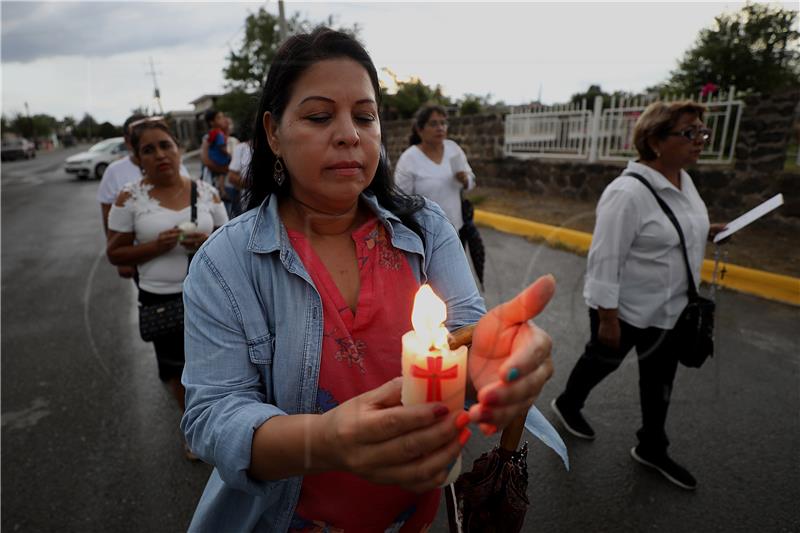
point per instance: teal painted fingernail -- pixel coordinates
(450, 466)
(513, 374)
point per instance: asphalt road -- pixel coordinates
(90, 439)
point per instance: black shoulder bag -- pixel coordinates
(165, 318)
(694, 331)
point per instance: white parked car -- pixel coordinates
(95, 161)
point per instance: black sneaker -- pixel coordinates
(573, 421)
(668, 468)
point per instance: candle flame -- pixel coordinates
(428, 317)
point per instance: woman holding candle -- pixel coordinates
(295, 312)
(144, 230)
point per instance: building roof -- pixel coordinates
(204, 97)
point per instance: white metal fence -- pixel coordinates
(574, 132)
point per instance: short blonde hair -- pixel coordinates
(657, 120)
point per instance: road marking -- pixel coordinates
(32, 180)
(28, 417)
(86, 324)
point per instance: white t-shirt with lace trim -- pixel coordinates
(145, 217)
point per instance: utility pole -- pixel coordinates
(156, 92)
(283, 31)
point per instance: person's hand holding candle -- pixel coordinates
(509, 361)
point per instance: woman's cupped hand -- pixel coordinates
(168, 239)
(377, 438)
(192, 241)
(510, 360)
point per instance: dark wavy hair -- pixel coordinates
(421, 118)
(126, 130)
(294, 57)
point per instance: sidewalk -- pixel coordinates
(759, 260)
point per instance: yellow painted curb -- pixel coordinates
(757, 282)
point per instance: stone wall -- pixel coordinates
(729, 190)
(480, 136)
(765, 132)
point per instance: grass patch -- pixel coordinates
(477, 199)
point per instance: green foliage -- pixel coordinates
(410, 96)
(473, 104)
(31, 127)
(753, 49)
(241, 107)
(594, 91)
(87, 128)
(248, 67)
(107, 129)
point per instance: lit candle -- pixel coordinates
(432, 372)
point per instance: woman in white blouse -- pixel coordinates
(636, 280)
(143, 232)
(434, 166)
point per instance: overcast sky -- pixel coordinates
(69, 58)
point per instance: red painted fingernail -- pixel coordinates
(486, 415)
(489, 429)
(462, 420)
(491, 398)
(440, 410)
(464, 436)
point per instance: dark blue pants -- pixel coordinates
(658, 361)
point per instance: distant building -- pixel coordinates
(190, 124)
(207, 101)
(186, 128)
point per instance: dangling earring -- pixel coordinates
(279, 176)
(658, 154)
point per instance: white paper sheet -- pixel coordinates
(754, 214)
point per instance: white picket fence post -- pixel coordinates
(593, 135)
(570, 131)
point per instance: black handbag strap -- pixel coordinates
(193, 205)
(671, 216)
(193, 201)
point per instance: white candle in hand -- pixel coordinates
(431, 371)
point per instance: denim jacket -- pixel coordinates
(253, 344)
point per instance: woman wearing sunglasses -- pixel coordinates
(433, 166)
(144, 232)
(636, 278)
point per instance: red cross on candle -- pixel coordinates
(434, 374)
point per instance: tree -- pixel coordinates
(241, 106)
(410, 96)
(594, 91)
(107, 129)
(753, 49)
(247, 67)
(40, 125)
(473, 104)
(86, 128)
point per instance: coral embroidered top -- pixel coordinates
(361, 351)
